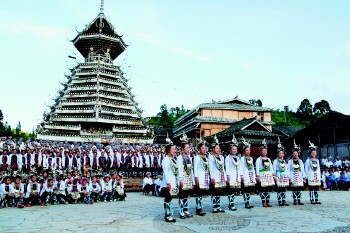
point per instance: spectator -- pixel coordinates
(343, 182)
(148, 185)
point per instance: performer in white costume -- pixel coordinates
(296, 175)
(281, 174)
(170, 174)
(217, 175)
(186, 179)
(201, 176)
(313, 174)
(249, 178)
(233, 174)
(264, 174)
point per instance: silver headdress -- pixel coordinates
(264, 145)
(312, 147)
(184, 138)
(246, 144)
(215, 142)
(279, 146)
(234, 141)
(296, 147)
(168, 140)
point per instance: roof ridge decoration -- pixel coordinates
(102, 6)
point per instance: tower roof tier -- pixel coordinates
(99, 36)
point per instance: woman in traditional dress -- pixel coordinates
(186, 180)
(264, 174)
(170, 173)
(313, 174)
(296, 175)
(233, 174)
(217, 175)
(201, 176)
(249, 178)
(281, 174)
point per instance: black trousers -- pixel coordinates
(184, 193)
(148, 188)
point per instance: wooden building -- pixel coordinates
(330, 133)
(253, 131)
(211, 118)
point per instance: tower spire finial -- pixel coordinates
(102, 6)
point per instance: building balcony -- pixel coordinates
(63, 127)
(114, 90)
(75, 111)
(87, 88)
(104, 134)
(102, 119)
(128, 130)
(111, 82)
(116, 105)
(84, 80)
(78, 103)
(117, 113)
(111, 97)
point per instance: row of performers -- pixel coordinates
(60, 191)
(213, 174)
(93, 159)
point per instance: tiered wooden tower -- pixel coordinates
(96, 103)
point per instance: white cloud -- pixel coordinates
(149, 38)
(347, 48)
(189, 53)
(21, 27)
(185, 52)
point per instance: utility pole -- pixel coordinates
(286, 109)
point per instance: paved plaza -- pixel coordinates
(141, 213)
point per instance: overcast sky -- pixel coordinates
(182, 52)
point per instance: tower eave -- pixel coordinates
(84, 42)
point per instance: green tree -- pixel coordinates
(279, 116)
(305, 110)
(165, 117)
(1, 119)
(322, 107)
(256, 102)
(18, 129)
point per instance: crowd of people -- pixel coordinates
(52, 172)
(210, 173)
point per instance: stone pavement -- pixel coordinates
(141, 213)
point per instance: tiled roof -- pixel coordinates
(239, 127)
(204, 119)
(240, 107)
(288, 131)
